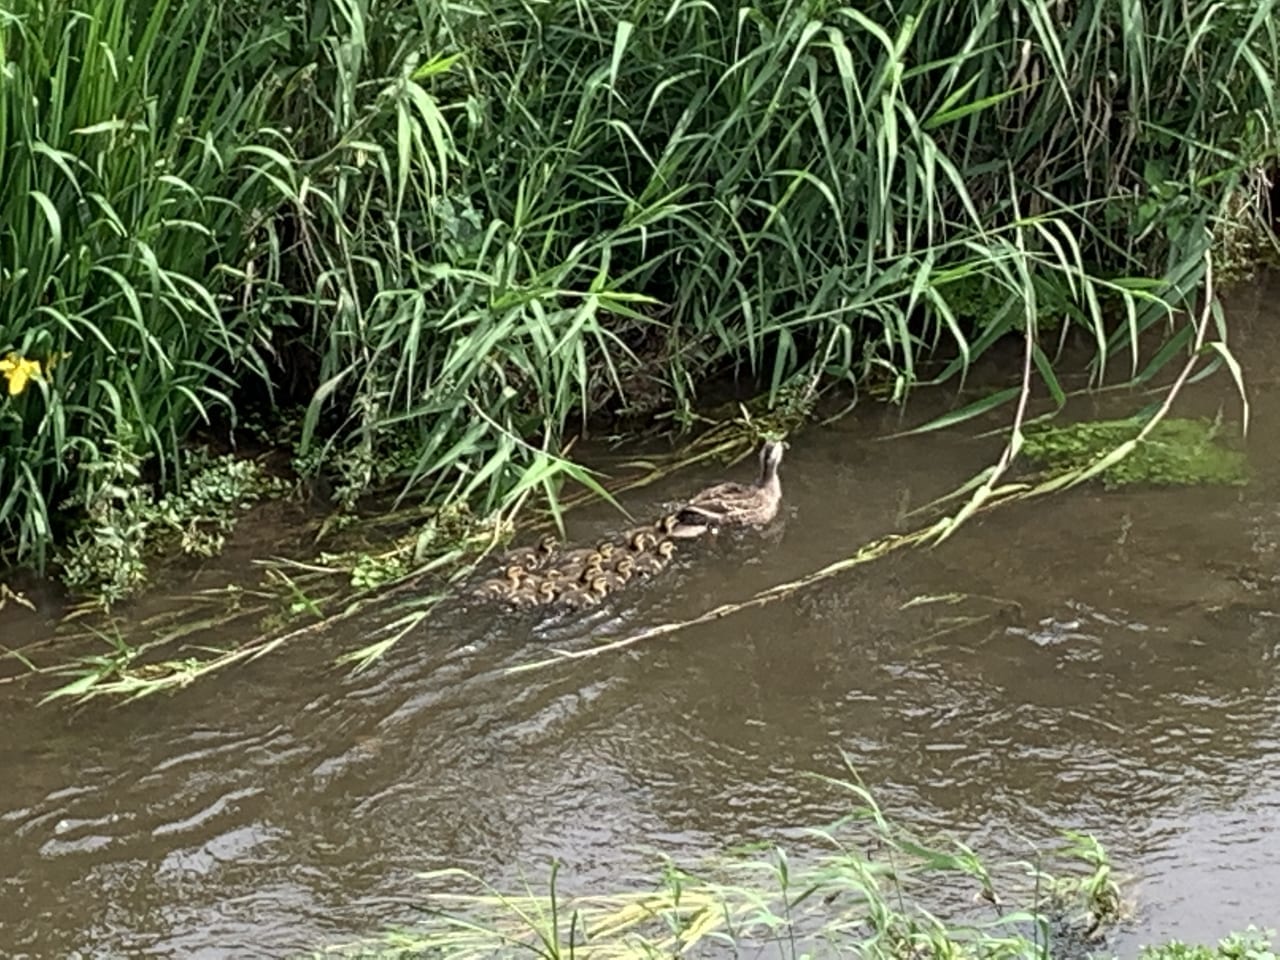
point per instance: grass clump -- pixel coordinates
(1177, 452)
(125, 526)
(455, 232)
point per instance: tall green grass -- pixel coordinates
(122, 232)
(459, 229)
(806, 189)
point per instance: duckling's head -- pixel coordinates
(515, 573)
(599, 585)
(625, 566)
(605, 550)
(548, 543)
(642, 540)
(547, 591)
(666, 549)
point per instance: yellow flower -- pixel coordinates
(18, 370)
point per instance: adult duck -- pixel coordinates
(735, 504)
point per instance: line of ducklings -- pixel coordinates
(544, 576)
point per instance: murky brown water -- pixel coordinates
(282, 805)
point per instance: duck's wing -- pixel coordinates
(721, 492)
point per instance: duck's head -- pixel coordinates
(771, 455)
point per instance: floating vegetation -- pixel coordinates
(1176, 452)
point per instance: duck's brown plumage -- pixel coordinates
(733, 504)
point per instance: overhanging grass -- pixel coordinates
(458, 230)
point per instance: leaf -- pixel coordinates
(975, 409)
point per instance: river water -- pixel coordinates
(283, 805)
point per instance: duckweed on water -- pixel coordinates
(1178, 452)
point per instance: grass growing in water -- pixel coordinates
(877, 891)
(1253, 944)
(1177, 452)
(125, 527)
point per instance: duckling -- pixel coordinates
(575, 596)
(576, 572)
(535, 557)
(602, 551)
(620, 574)
(640, 539)
(532, 594)
(671, 527)
(500, 587)
(655, 562)
(738, 504)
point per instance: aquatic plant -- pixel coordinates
(1178, 451)
(126, 220)
(124, 525)
(1252, 944)
(873, 890)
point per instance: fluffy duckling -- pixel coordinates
(637, 539)
(577, 572)
(575, 596)
(738, 504)
(501, 587)
(672, 528)
(600, 552)
(641, 539)
(535, 557)
(619, 574)
(655, 562)
(532, 595)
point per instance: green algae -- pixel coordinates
(1177, 452)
